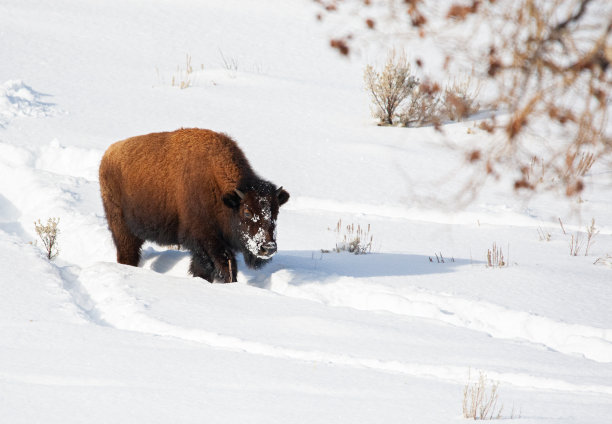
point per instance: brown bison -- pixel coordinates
(191, 187)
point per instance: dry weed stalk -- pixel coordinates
(48, 235)
(591, 232)
(440, 258)
(229, 63)
(480, 399)
(576, 242)
(543, 235)
(183, 78)
(495, 257)
(604, 260)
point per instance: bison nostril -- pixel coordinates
(269, 248)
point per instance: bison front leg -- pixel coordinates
(225, 264)
(201, 266)
(214, 261)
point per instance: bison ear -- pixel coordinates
(231, 200)
(282, 195)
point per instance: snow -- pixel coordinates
(314, 337)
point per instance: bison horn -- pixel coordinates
(278, 191)
(239, 193)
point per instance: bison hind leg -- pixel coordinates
(128, 245)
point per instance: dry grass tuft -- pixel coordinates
(577, 240)
(495, 257)
(543, 235)
(353, 239)
(480, 399)
(183, 77)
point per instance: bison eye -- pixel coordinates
(247, 214)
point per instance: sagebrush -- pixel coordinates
(398, 96)
(48, 235)
(391, 87)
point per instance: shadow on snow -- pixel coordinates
(314, 265)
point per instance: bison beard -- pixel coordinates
(190, 187)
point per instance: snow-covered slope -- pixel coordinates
(315, 337)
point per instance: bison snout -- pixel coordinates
(268, 249)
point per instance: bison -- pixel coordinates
(191, 187)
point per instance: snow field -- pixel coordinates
(312, 337)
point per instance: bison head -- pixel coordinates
(254, 221)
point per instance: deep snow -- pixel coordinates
(313, 337)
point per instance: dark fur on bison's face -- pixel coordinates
(255, 211)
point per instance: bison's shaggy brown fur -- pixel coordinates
(191, 187)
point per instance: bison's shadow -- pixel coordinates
(313, 265)
(165, 261)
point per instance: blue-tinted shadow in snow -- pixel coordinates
(318, 265)
(163, 261)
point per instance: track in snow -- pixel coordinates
(104, 293)
(497, 321)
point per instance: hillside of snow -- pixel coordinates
(316, 336)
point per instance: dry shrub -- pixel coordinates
(48, 235)
(460, 97)
(426, 107)
(431, 105)
(398, 96)
(390, 87)
(547, 63)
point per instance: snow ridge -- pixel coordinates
(109, 300)
(497, 321)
